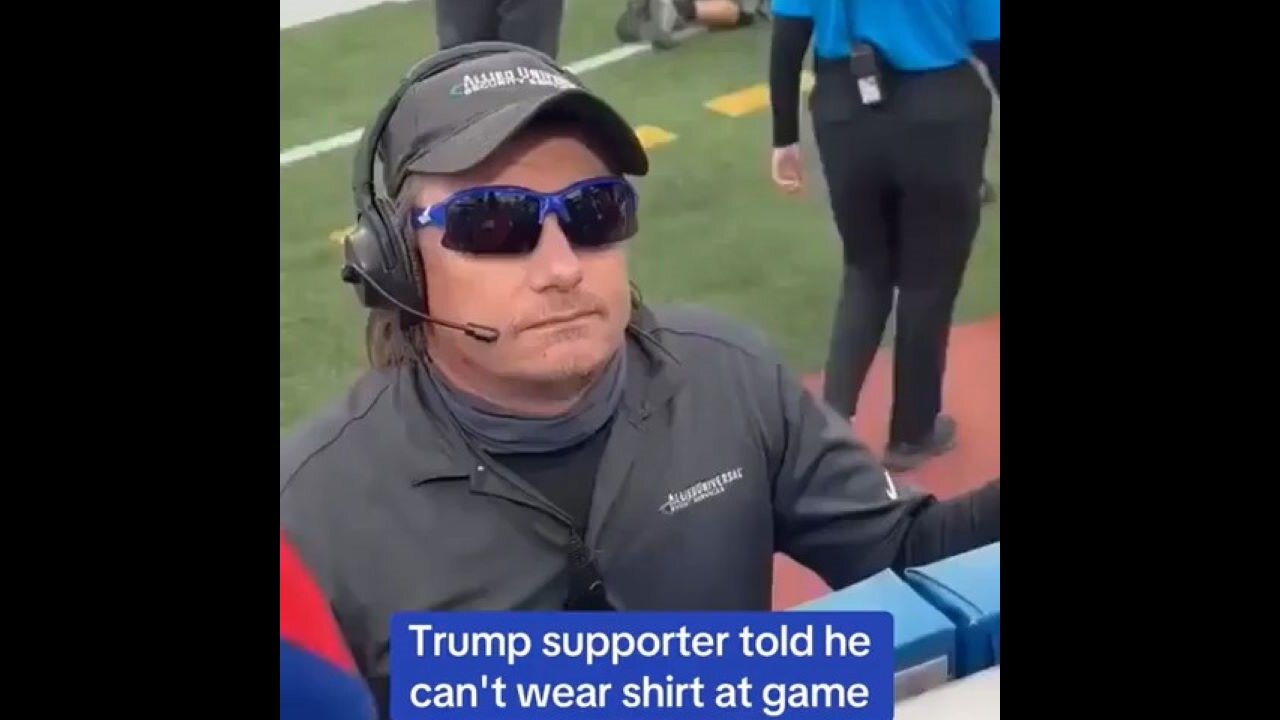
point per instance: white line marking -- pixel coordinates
(294, 13)
(320, 147)
(585, 65)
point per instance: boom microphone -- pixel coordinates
(354, 274)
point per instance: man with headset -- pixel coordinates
(544, 439)
(901, 118)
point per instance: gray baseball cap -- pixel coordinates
(452, 121)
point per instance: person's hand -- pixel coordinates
(788, 169)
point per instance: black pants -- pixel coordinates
(901, 177)
(532, 23)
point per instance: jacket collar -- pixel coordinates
(654, 375)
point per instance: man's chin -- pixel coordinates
(568, 360)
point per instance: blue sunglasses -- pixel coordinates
(507, 220)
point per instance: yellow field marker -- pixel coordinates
(751, 99)
(741, 102)
(650, 136)
(337, 235)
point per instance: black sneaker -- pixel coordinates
(632, 21)
(901, 457)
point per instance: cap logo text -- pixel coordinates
(521, 75)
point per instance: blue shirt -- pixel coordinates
(912, 34)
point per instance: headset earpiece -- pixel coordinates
(375, 259)
(367, 268)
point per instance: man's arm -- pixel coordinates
(988, 52)
(982, 20)
(792, 28)
(839, 512)
(317, 674)
(308, 520)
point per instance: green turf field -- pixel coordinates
(713, 230)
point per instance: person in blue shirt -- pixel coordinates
(901, 118)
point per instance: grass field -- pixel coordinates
(713, 231)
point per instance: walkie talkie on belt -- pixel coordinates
(862, 61)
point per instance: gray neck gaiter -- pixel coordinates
(499, 432)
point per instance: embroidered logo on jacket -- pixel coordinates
(699, 491)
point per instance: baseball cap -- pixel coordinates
(453, 120)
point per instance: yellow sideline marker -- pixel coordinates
(751, 99)
(741, 102)
(650, 136)
(337, 235)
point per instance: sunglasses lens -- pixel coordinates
(600, 215)
(492, 223)
(506, 221)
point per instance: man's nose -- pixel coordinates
(554, 264)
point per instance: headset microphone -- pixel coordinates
(354, 275)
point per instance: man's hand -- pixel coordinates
(788, 169)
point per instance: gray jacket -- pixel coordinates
(718, 459)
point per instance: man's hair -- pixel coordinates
(387, 344)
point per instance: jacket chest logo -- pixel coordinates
(699, 491)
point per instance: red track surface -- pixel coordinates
(971, 393)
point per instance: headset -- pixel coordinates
(377, 254)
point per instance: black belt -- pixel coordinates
(841, 65)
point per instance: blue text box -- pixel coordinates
(598, 666)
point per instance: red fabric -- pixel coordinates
(305, 618)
